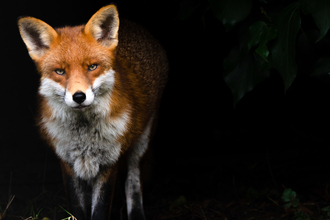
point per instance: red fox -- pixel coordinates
(100, 88)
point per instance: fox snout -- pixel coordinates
(79, 99)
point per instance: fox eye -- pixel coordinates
(93, 67)
(60, 71)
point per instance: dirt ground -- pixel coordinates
(245, 180)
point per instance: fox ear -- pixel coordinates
(37, 35)
(103, 26)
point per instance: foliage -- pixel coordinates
(34, 215)
(269, 38)
(291, 201)
(3, 212)
(327, 210)
(181, 201)
(71, 217)
(289, 197)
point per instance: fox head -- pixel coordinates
(75, 63)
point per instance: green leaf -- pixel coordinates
(269, 34)
(295, 202)
(322, 20)
(287, 205)
(320, 10)
(256, 30)
(181, 201)
(242, 77)
(299, 215)
(233, 59)
(187, 7)
(308, 6)
(65, 210)
(261, 34)
(230, 12)
(288, 195)
(38, 213)
(262, 64)
(326, 209)
(289, 198)
(322, 67)
(287, 24)
(262, 50)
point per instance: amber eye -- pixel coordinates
(60, 71)
(93, 67)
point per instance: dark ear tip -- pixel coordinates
(113, 3)
(20, 17)
(112, 6)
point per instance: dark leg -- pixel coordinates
(134, 195)
(102, 194)
(90, 199)
(133, 187)
(77, 193)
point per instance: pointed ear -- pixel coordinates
(37, 35)
(104, 25)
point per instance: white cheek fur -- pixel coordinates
(51, 89)
(104, 82)
(69, 100)
(89, 97)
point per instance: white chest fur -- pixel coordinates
(88, 143)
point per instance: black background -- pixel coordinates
(204, 149)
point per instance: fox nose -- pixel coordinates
(79, 97)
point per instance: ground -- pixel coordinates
(232, 183)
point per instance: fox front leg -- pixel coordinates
(76, 193)
(90, 199)
(133, 187)
(102, 194)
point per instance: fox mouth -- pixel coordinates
(80, 107)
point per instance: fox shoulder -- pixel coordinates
(142, 52)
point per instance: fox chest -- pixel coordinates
(87, 144)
